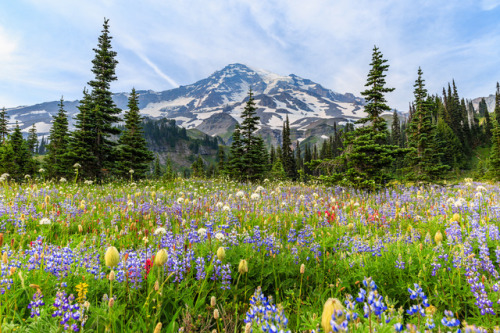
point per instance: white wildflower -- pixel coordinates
(45, 220)
(219, 236)
(202, 232)
(63, 180)
(240, 194)
(180, 201)
(160, 231)
(219, 204)
(255, 196)
(226, 208)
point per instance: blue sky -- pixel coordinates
(46, 46)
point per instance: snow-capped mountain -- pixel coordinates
(213, 105)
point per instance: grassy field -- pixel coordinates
(199, 256)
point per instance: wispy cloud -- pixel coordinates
(162, 44)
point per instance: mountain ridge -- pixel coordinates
(223, 92)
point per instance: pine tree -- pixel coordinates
(497, 104)
(289, 164)
(488, 127)
(483, 108)
(42, 148)
(157, 168)
(57, 163)
(423, 158)
(21, 156)
(367, 154)
(396, 130)
(236, 156)
(96, 125)
(494, 162)
(132, 151)
(32, 140)
(254, 157)
(298, 157)
(4, 122)
(82, 139)
(221, 160)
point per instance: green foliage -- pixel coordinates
(57, 163)
(423, 158)
(132, 152)
(4, 121)
(249, 158)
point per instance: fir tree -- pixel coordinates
(488, 127)
(289, 163)
(236, 156)
(221, 160)
(82, 139)
(32, 140)
(483, 108)
(423, 158)
(97, 124)
(494, 162)
(57, 159)
(497, 104)
(21, 156)
(157, 168)
(132, 150)
(254, 155)
(298, 157)
(396, 130)
(367, 154)
(4, 122)
(42, 150)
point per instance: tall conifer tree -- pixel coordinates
(97, 124)
(423, 158)
(57, 162)
(132, 151)
(4, 121)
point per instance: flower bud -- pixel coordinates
(112, 257)
(302, 269)
(80, 228)
(248, 328)
(5, 258)
(111, 276)
(332, 305)
(158, 328)
(1, 239)
(157, 285)
(111, 302)
(213, 301)
(221, 253)
(456, 217)
(243, 266)
(216, 314)
(438, 238)
(161, 257)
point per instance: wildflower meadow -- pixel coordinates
(221, 256)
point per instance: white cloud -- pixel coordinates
(489, 4)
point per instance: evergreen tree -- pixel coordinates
(483, 108)
(96, 125)
(298, 157)
(81, 140)
(21, 157)
(494, 162)
(42, 150)
(251, 153)
(198, 168)
(236, 156)
(157, 168)
(396, 130)
(497, 104)
(488, 127)
(422, 158)
(4, 122)
(57, 163)
(289, 163)
(367, 155)
(32, 140)
(132, 150)
(221, 160)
